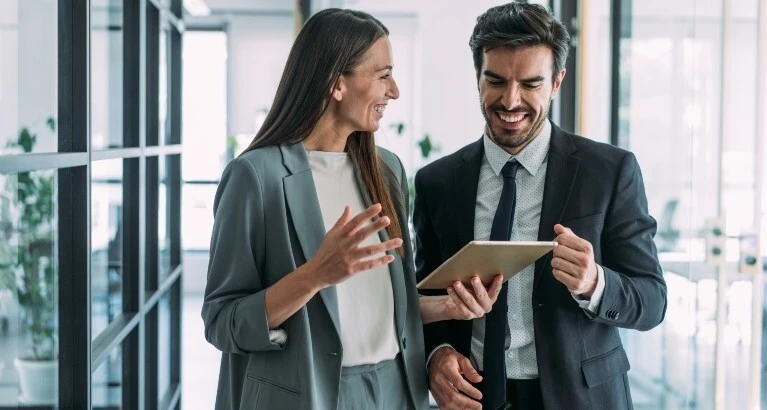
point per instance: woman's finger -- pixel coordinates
(495, 288)
(371, 250)
(461, 307)
(468, 299)
(360, 219)
(344, 219)
(480, 293)
(372, 263)
(370, 229)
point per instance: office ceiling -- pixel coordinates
(249, 6)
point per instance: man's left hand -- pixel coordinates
(573, 262)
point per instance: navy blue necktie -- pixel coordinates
(494, 354)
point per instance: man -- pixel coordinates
(551, 340)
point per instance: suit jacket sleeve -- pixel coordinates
(427, 258)
(635, 291)
(234, 310)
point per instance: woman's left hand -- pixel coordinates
(461, 303)
(471, 303)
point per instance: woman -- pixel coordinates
(359, 344)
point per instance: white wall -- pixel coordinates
(445, 81)
(433, 66)
(28, 70)
(258, 49)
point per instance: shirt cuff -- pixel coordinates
(278, 336)
(593, 305)
(428, 359)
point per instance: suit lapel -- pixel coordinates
(561, 171)
(466, 179)
(301, 197)
(396, 267)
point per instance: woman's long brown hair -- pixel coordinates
(331, 42)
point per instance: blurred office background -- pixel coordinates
(117, 118)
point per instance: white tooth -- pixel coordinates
(511, 118)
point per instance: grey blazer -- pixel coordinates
(268, 222)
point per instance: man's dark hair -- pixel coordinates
(519, 25)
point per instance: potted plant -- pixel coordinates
(27, 269)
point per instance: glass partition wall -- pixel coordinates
(90, 189)
(684, 89)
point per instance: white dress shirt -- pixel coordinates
(366, 300)
(521, 360)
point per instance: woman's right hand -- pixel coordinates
(340, 256)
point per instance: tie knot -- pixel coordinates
(510, 169)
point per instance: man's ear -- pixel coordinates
(558, 83)
(338, 89)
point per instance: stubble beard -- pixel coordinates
(507, 139)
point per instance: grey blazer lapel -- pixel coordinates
(396, 267)
(301, 197)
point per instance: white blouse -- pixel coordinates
(365, 301)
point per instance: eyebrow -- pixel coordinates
(489, 73)
(388, 67)
(535, 79)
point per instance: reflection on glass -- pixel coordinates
(106, 243)
(106, 73)
(28, 289)
(163, 354)
(106, 382)
(28, 73)
(163, 222)
(595, 69)
(658, 100)
(163, 79)
(671, 109)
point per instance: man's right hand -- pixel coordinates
(449, 375)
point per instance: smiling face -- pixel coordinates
(515, 91)
(362, 95)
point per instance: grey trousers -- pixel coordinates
(380, 386)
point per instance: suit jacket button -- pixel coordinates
(404, 343)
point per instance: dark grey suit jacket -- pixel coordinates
(597, 191)
(268, 222)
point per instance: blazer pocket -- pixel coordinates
(605, 367)
(276, 385)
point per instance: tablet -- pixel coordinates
(486, 259)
